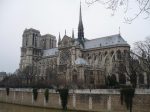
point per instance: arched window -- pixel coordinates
(26, 41)
(122, 79)
(74, 76)
(112, 52)
(33, 38)
(35, 42)
(119, 55)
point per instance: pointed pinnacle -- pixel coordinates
(73, 33)
(59, 37)
(65, 31)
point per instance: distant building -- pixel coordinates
(75, 60)
(2, 75)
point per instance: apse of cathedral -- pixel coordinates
(74, 60)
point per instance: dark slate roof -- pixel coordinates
(112, 40)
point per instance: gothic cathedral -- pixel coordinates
(75, 61)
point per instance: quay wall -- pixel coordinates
(97, 100)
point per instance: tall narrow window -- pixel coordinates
(119, 55)
(35, 42)
(33, 39)
(26, 41)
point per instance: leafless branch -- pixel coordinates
(114, 5)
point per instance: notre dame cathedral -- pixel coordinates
(74, 60)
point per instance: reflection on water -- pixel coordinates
(17, 108)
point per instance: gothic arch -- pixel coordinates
(74, 76)
(126, 54)
(105, 54)
(118, 54)
(111, 53)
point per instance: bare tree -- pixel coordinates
(51, 78)
(29, 73)
(143, 7)
(130, 67)
(138, 62)
(142, 51)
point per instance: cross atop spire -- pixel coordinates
(80, 26)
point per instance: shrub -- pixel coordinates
(35, 93)
(46, 93)
(126, 96)
(64, 97)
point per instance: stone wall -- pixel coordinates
(89, 100)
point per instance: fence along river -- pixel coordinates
(88, 100)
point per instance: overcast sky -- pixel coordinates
(54, 16)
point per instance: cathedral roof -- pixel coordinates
(31, 30)
(48, 35)
(81, 61)
(112, 40)
(50, 52)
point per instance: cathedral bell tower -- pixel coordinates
(30, 50)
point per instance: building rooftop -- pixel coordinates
(105, 41)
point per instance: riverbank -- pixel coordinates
(7, 107)
(86, 100)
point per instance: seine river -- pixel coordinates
(17, 108)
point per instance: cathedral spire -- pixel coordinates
(80, 26)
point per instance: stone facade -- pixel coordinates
(75, 60)
(2, 75)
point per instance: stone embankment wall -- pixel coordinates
(100, 100)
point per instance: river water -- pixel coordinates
(4, 107)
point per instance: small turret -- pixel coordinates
(73, 40)
(65, 31)
(72, 33)
(59, 41)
